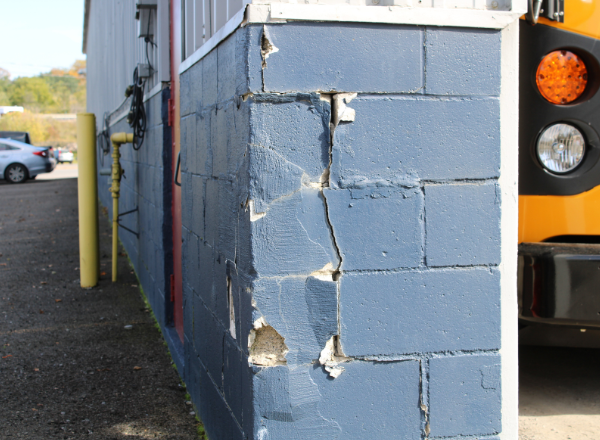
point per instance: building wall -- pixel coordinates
(343, 262)
(146, 186)
(114, 50)
(352, 234)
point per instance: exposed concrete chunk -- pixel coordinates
(326, 273)
(267, 47)
(253, 214)
(341, 111)
(267, 347)
(231, 308)
(331, 357)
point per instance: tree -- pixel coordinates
(26, 121)
(4, 74)
(32, 93)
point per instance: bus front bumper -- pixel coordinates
(559, 283)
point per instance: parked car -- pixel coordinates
(21, 136)
(20, 161)
(63, 155)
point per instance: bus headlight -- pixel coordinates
(560, 148)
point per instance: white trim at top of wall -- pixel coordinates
(426, 16)
(284, 12)
(229, 28)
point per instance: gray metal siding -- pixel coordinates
(114, 50)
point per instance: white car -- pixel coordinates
(20, 161)
(65, 156)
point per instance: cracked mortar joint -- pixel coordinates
(266, 346)
(341, 111)
(331, 357)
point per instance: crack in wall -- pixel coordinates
(266, 49)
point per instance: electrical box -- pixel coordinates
(144, 71)
(146, 14)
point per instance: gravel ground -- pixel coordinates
(69, 367)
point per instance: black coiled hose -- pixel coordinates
(137, 113)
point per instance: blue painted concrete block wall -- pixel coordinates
(143, 188)
(353, 235)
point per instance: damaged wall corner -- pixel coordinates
(341, 248)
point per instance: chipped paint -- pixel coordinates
(230, 304)
(266, 347)
(341, 111)
(267, 47)
(326, 273)
(254, 216)
(331, 357)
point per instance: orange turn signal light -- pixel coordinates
(561, 77)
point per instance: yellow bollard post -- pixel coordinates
(117, 140)
(87, 186)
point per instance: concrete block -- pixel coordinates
(204, 151)
(344, 57)
(404, 139)
(464, 395)
(188, 144)
(193, 382)
(293, 237)
(233, 365)
(250, 64)
(239, 137)
(208, 340)
(196, 85)
(228, 217)
(187, 199)
(271, 177)
(462, 224)
(205, 273)
(302, 310)
(420, 311)
(211, 209)
(226, 79)
(219, 140)
(186, 104)
(462, 61)
(188, 323)
(294, 126)
(209, 79)
(213, 407)
(286, 404)
(377, 228)
(197, 208)
(372, 400)
(220, 293)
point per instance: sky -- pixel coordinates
(37, 35)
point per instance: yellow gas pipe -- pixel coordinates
(117, 140)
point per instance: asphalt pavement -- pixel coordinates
(76, 363)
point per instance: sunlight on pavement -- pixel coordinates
(560, 427)
(62, 171)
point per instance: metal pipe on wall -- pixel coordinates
(117, 140)
(87, 186)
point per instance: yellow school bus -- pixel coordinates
(559, 163)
